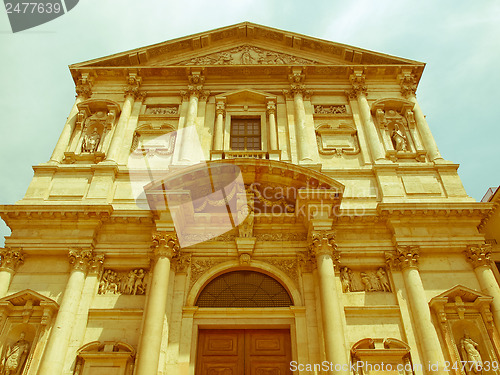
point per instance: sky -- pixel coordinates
(458, 40)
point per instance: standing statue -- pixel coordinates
(384, 281)
(15, 357)
(470, 353)
(399, 140)
(91, 141)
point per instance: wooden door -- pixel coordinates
(244, 352)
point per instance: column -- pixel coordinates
(479, 257)
(53, 358)
(305, 139)
(358, 92)
(165, 246)
(83, 91)
(324, 248)
(408, 88)
(189, 135)
(131, 94)
(273, 135)
(406, 260)
(10, 260)
(220, 109)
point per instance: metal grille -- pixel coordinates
(244, 289)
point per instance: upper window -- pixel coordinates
(245, 134)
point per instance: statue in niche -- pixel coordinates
(91, 141)
(345, 278)
(470, 353)
(383, 280)
(245, 228)
(399, 140)
(15, 357)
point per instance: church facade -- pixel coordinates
(248, 200)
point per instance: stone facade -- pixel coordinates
(339, 193)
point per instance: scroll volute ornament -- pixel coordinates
(357, 80)
(165, 244)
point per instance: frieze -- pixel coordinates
(247, 55)
(132, 282)
(374, 280)
(281, 236)
(339, 109)
(162, 110)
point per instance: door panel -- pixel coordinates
(244, 352)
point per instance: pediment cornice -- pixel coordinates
(281, 47)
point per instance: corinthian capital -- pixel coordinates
(323, 243)
(297, 85)
(165, 244)
(408, 83)
(403, 257)
(478, 255)
(84, 259)
(271, 107)
(11, 259)
(358, 86)
(220, 107)
(133, 85)
(84, 86)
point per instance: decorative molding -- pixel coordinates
(248, 55)
(200, 266)
(11, 259)
(165, 244)
(339, 140)
(281, 236)
(374, 280)
(479, 255)
(132, 282)
(404, 257)
(289, 266)
(181, 263)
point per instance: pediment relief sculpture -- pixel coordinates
(247, 55)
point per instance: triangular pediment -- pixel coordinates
(465, 294)
(27, 295)
(245, 44)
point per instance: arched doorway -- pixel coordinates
(244, 349)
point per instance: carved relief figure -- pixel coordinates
(345, 279)
(365, 280)
(91, 141)
(245, 229)
(130, 283)
(399, 140)
(383, 280)
(15, 357)
(470, 353)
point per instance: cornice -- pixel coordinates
(434, 209)
(58, 212)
